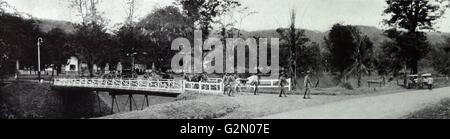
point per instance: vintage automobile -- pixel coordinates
(427, 80)
(413, 81)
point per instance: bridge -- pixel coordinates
(147, 87)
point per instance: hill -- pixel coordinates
(375, 34)
(47, 25)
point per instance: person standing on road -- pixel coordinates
(232, 85)
(283, 83)
(226, 83)
(430, 82)
(254, 81)
(308, 86)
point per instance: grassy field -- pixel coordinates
(438, 111)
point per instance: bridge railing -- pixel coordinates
(173, 86)
(170, 86)
(269, 83)
(215, 88)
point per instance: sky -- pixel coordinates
(317, 15)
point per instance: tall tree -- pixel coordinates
(160, 28)
(130, 10)
(296, 40)
(92, 44)
(203, 13)
(6, 63)
(56, 48)
(350, 51)
(88, 11)
(413, 16)
(388, 59)
(91, 41)
(20, 36)
(440, 58)
(362, 57)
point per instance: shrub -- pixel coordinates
(347, 86)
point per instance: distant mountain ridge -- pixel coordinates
(375, 34)
(47, 25)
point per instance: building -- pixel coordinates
(72, 66)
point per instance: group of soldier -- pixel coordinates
(232, 84)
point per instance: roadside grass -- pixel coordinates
(438, 111)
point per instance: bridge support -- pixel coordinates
(98, 101)
(114, 101)
(131, 101)
(146, 102)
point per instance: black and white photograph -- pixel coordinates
(224, 59)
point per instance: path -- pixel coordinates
(390, 106)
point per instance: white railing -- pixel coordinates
(215, 88)
(168, 86)
(269, 83)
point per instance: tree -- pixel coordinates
(310, 58)
(351, 53)
(91, 42)
(202, 13)
(56, 49)
(131, 9)
(160, 28)
(440, 57)
(362, 57)
(341, 47)
(413, 16)
(130, 40)
(88, 11)
(296, 40)
(92, 45)
(3, 5)
(20, 35)
(6, 63)
(388, 59)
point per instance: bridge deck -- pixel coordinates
(149, 87)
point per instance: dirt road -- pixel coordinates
(390, 106)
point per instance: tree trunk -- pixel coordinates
(415, 67)
(359, 80)
(58, 70)
(53, 71)
(91, 70)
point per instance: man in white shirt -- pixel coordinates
(430, 82)
(254, 80)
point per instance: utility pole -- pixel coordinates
(39, 43)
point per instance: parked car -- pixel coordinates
(413, 81)
(427, 80)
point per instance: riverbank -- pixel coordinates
(25, 100)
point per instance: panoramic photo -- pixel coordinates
(224, 59)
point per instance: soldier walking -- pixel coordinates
(226, 84)
(283, 83)
(308, 86)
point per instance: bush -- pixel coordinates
(347, 86)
